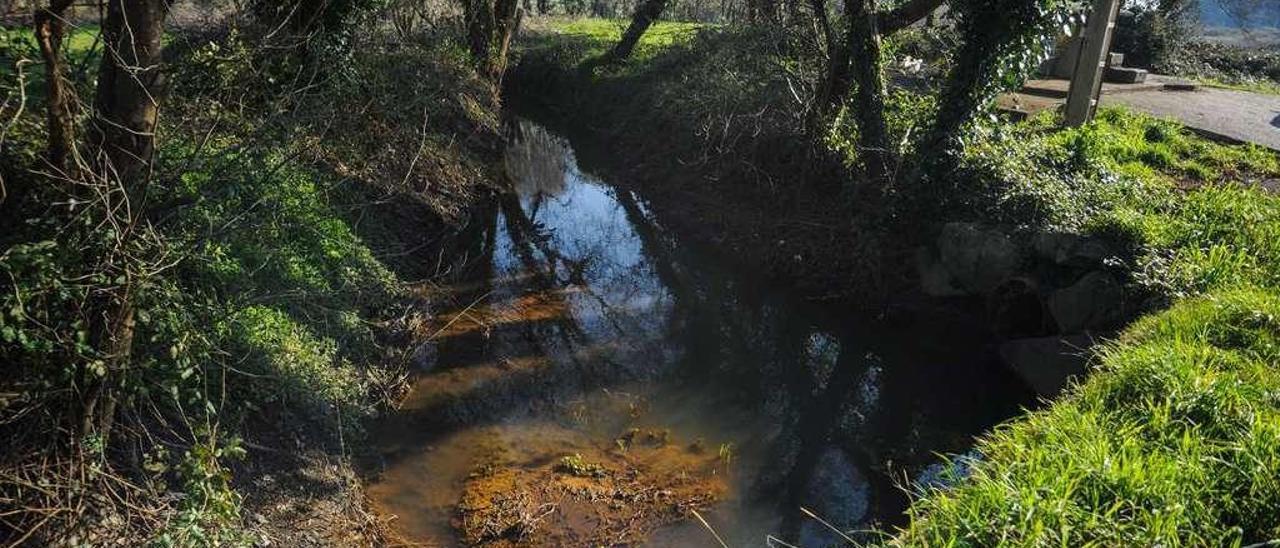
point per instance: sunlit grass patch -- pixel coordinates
(598, 35)
(1123, 139)
(81, 48)
(1174, 441)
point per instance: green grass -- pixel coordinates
(78, 40)
(1266, 87)
(80, 46)
(1174, 441)
(601, 34)
(1189, 208)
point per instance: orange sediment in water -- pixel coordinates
(592, 497)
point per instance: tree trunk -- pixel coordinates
(122, 139)
(647, 12)
(508, 15)
(49, 31)
(490, 28)
(869, 106)
(762, 11)
(831, 93)
(835, 87)
(907, 14)
(130, 83)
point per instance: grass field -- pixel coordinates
(18, 45)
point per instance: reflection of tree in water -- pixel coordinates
(536, 160)
(860, 404)
(630, 302)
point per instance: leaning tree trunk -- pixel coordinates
(647, 12)
(60, 101)
(122, 141)
(490, 28)
(508, 15)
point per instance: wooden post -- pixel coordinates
(1086, 83)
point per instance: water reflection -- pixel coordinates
(576, 318)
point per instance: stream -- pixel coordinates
(593, 380)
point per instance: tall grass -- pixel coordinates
(1174, 441)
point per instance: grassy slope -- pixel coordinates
(291, 294)
(1175, 440)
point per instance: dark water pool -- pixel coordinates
(576, 319)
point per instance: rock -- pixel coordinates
(1115, 59)
(1094, 302)
(1181, 85)
(971, 259)
(1125, 75)
(1047, 364)
(946, 474)
(935, 281)
(1068, 249)
(1016, 310)
(1090, 252)
(839, 494)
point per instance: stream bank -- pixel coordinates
(1187, 232)
(584, 352)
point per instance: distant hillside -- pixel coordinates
(1213, 15)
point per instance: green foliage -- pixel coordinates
(209, 513)
(1174, 441)
(259, 299)
(1038, 175)
(1225, 65)
(297, 368)
(81, 49)
(1154, 35)
(1215, 237)
(1002, 41)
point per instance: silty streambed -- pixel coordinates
(592, 381)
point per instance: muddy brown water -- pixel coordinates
(575, 324)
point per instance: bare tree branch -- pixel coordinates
(903, 16)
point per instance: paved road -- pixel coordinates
(1238, 115)
(1235, 115)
